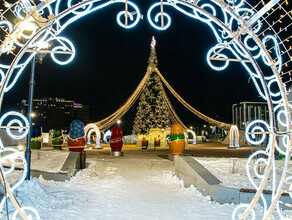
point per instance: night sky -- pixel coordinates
(110, 62)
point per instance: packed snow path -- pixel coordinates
(127, 187)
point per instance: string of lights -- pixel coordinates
(25, 24)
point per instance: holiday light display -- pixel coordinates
(234, 137)
(107, 136)
(157, 138)
(193, 134)
(152, 111)
(88, 130)
(245, 32)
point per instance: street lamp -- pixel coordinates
(30, 105)
(119, 122)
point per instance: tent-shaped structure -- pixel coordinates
(152, 67)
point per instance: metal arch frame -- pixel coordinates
(234, 137)
(45, 28)
(194, 135)
(246, 27)
(88, 130)
(106, 135)
(272, 131)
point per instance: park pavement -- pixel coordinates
(210, 149)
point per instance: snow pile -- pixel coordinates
(232, 172)
(50, 161)
(119, 188)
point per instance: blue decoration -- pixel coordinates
(76, 130)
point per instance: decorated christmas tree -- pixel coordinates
(152, 111)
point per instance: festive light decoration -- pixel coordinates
(245, 32)
(234, 137)
(63, 40)
(32, 20)
(20, 124)
(257, 126)
(112, 119)
(194, 136)
(153, 110)
(241, 37)
(157, 138)
(89, 129)
(106, 136)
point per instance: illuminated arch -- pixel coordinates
(155, 133)
(164, 142)
(193, 134)
(244, 34)
(234, 137)
(107, 136)
(88, 130)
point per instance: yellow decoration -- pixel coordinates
(157, 134)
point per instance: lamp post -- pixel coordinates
(30, 106)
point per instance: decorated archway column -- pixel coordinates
(234, 137)
(107, 136)
(88, 130)
(245, 33)
(194, 135)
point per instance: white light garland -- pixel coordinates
(33, 214)
(194, 135)
(234, 25)
(106, 136)
(92, 128)
(157, 16)
(249, 131)
(23, 125)
(61, 40)
(234, 137)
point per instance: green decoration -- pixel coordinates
(57, 140)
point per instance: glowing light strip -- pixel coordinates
(61, 40)
(7, 88)
(15, 121)
(256, 127)
(81, 14)
(234, 134)
(12, 157)
(107, 135)
(89, 129)
(194, 136)
(225, 34)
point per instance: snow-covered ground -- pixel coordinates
(122, 188)
(232, 172)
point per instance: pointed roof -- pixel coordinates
(152, 61)
(152, 67)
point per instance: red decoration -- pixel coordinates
(77, 144)
(116, 139)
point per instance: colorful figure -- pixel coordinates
(116, 140)
(177, 140)
(57, 139)
(36, 137)
(76, 139)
